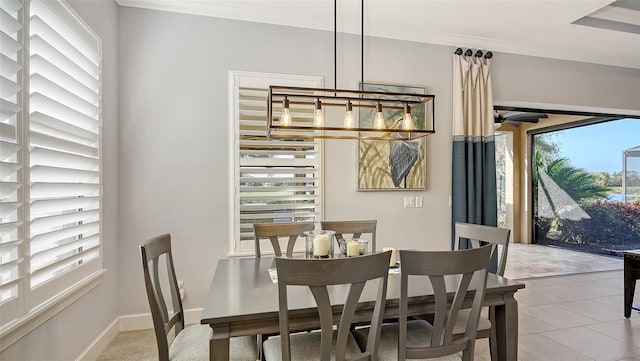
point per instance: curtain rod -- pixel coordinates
(478, 54)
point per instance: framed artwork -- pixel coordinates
(397, 164)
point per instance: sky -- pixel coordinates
(599, 147)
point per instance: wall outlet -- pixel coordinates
(409, 202)
(419, 202)
(181, 289)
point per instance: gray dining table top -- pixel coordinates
(243, 290)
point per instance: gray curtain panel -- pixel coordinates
(474, 197)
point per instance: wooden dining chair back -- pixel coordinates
(476, 234)
(190, 343)
(275, 231)
(353, 229)
(470, 267)
(318, 275)
(154, 252)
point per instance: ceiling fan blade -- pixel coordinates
(529, 117)
(516, 118)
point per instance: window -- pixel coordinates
(274, 180)
(51, 154)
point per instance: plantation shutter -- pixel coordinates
(11, 145)
(65, 135)
(278, 180)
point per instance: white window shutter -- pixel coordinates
(65, 140)
(50, 160)
(276, 180)
(11, 151)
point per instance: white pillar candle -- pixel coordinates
(392, 261)
(353, 248)
(364, 246)
(321, 245)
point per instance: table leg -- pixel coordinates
(219, 344)
(507, 329)
(629, 284)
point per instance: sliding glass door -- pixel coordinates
(586, 186)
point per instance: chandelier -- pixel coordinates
(299, 113)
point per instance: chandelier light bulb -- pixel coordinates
(378, 121)
(348, 117)
(318, 115)
(407, 121)
(285, 119)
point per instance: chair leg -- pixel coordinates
(261, 340)
(467, 355)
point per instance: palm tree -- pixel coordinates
(579, 185)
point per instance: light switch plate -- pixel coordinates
(418, 201)
(409, 202)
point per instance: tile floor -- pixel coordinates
(532, 260)
(561, 318)
(574, 317)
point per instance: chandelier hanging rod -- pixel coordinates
(397, 116)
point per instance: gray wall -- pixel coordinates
(540, 80)
(69, 333)
(166, 146)
(174, 168)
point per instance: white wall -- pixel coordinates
(68, 333)
(174, 125)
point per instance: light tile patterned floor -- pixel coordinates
(572, 318)
(532, 260)
(562, 318)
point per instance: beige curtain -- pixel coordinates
(474, 167)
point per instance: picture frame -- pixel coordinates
(393, 165)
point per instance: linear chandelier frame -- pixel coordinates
(308, 98)
(318, 99)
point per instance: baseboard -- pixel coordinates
(93, 351)
(141, 321)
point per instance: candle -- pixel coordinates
(353, 248)
(321, 245)
(364, 245)
(392, 261)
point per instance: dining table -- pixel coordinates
(243, 300)
(631, 275)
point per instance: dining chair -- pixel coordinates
(190, 343)
(273, 231)
(353, 228)
(419, 339)
(329, 344)
(478, 235)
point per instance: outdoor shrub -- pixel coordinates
(612, 226)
